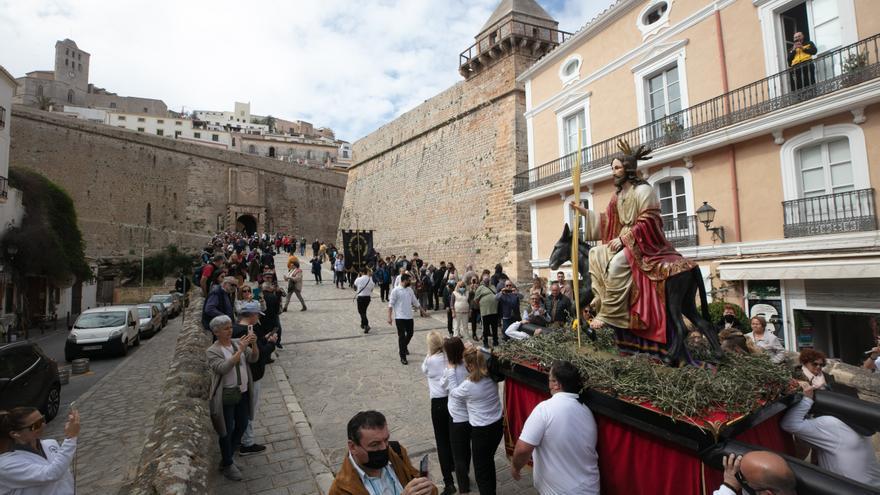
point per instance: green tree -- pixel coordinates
(270, 121)
(44, 102)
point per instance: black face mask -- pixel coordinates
(729, 319)
(377, 459)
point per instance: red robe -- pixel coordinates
(652, 260)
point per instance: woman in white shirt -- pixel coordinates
(460, 428)
(767, 341)
(434, 367)
(480, 394)
(30, 465)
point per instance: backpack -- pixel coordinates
(197, 275)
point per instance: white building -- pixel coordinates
(238, 120)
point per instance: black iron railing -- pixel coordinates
(681, 231)
(4, 188)
(851, 211)
(827, 73)
(511, 30)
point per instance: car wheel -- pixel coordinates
(53, 402)
(123, 346)
(137, 340)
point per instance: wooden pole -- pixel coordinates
(575, 236)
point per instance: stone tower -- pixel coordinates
(438, 180)
(72, 65)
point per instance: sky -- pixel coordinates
(351, 65)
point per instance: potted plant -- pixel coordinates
(672, 131)
(852, 68)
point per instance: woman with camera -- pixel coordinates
(30, 464)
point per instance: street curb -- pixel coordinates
(315, 458)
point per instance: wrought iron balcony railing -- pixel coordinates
(508, 33)
(681, 231)
(827, 73)
(851, 211)
(4, 188)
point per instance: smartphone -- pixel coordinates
(423, 467)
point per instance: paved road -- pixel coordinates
(335, 370)
(99, 365)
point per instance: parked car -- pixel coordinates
(29, 378)
(163, 310)
(149, 319)
(109, 328)
(172, 301)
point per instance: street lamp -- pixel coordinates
(706, 215)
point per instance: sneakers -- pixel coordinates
(403, 361)
(303, 308)
(449, 490)
(251, 449)
(367, 329)
(231, 472)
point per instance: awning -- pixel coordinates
(853, 265)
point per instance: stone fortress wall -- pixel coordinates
(131, 189)
(439, 179)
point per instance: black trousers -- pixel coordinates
(490, 327)
(484, 443)
(450, 317)
(438, 296)
(441, 421)
(363, 302)
(404, 335)
(460, 438)
(383, 291)
(317, 277)
(475, 318)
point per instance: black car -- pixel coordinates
(29, 378)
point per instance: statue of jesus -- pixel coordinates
(629, 269)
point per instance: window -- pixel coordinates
(140, 119)
(80, 67)
(570, 125)
(160, 121)
(215, 137)
(140, 129)
(160, 132)
(233, 140)
(825, 168)
(655, 13)
(40, 91)
(272, 151)
(197, 135)
(79, 56)
(177, 122)
(2, 117)
(67, 51)
(673, 203)
(570, 69)
(252, 149)
(664, 94)
(146, 110)
(176, 134)
(70, 96)
(120, 117)
(585, 200)
(8, 299)
(654, 17)
(112, 104)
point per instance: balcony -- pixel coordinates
(851, 211)
(4, 189)
(681, 231)
(506, 37)
(833, 71)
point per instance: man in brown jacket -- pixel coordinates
(374, 465)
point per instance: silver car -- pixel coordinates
(171, 302)
(149, 320)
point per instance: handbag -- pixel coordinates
(232, 395)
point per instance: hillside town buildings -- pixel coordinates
(770, 185)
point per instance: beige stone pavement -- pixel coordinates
(336, 370)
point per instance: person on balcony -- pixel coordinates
(800, 61)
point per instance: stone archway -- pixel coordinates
(246, 223)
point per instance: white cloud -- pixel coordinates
(348, 65)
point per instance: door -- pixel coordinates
(76, 298)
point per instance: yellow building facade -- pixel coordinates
(788, 158)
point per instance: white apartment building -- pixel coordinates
(238, 120)
(175, 128)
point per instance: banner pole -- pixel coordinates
(575, 236)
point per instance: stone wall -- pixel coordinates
(179, 451)
(131, 189)
(439, 179)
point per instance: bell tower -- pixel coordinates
(519, 27)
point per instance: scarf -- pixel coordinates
(816, 381)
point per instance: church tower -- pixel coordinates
(520, 27)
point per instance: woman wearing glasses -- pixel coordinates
(29, 464)
(812, 362)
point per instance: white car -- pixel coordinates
(109, 328)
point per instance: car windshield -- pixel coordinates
(161, 299)
(144, 312)
(101, 320)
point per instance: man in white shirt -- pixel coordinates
(838, 448)
(560, 435)
(400, 308)
(363, 287)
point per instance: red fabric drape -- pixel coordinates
(519, 401)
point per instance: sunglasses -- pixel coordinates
(746, 488)
(36, 425)
(821, 365)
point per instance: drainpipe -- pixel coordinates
(731, 151)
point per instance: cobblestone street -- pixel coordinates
(117, 415)
(336, 370)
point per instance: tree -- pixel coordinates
(270, 121)
(44, 102)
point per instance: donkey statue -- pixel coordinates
(681, 290)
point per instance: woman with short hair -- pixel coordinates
(812, 362)
(461, 306)
(30, 464)
(766, 340)
(434, 367)
(459, 428)
(480, 395)
(230, 402)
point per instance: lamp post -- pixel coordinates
(706, 215)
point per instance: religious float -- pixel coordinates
(667, 409)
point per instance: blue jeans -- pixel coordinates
(248, 438)
(236, 418)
